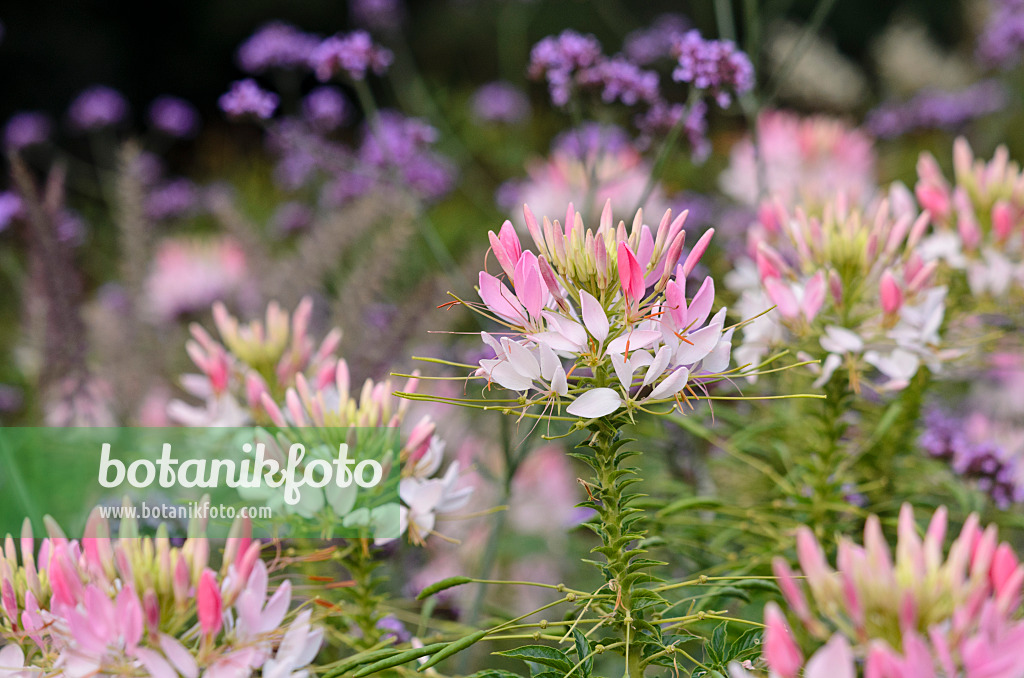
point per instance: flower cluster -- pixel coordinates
(246, 98)
(276, 45)
(801, 160)
(174, 117)
(26, 129)
(120, 607)
(395, 149)
(937, 110)
(1003, 36)
(588, 165)
(500, 102)
(647, 45)
(326, 109)
(355, 54)
(272, 372)
(558, 59)
(188, 275)
(979, 219)
(975, 450)
(96, 108)
(920, 615)
(849, 287)
(713, 65)
(611, 301)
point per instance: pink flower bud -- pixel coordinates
(780, 650)
(208, 603)
(695, 255)
(534, 229)
(835, 288)
(790, 589)
(890, 292)
(631, 277)
(419, 439)
(814, 296)
(935, 199)
(1002, 220)
(1004, 563)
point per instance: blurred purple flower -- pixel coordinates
(1001, 40)
(590, 139)
(326, 109)
(10, 209)
(558, 58)
(11, 398)
(354, 53)
(713, 65)
(507, 196)
(622, 80)
(96, 108)
(25, 129)
(996, 471)
(646, 45)
(500, 102)
(245, 98)
(381, 15)
(173, 200)
(276, 45)
(174, 117)
(393, 629)
(292, 217)
(937, 110)
(71, 228)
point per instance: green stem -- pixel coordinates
(363, 593)
(618, 530)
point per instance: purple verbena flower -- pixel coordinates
(245, 98)
(381, 15)
(1001, 40)
(174, 117)
(558, 58)
(713, 65)
(590, 139)
(25, 129)
(646, 45)
(96, 108)
(500, 102)
(393, 628)
(326, 109)
(622, 80)
(173, 200)
(276, 45)
(10, 209)
(354, 53)
(934, 109)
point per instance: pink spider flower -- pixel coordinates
(850, 288)
(916, 612)
(979, 218)
(612, 302)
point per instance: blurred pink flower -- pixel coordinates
(188, 275)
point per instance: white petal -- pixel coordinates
(636, 339)
(548, 361)
(594, 316)
(595, 403)
(672, 384)
(623, 370)
(510, 378)
(718, 360)
(521, 358)
(657, 367)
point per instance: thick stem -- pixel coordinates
(618, 531)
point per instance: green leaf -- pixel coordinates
(494, 673)
(689, 504)
(439, 586)
(399, 659)
(457, 646)
(541, 654)
(583, 652)
(756, 585)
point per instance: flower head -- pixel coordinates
(916, 612)
(276, 45)
(245, 98)
(25, 129)
(613, 302)
(174, 117)
(355, 54)
(96, 108)
(717, 66)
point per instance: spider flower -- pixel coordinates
(979, 218)
(850, 289)
(804, 160)
(918, 613)
(131, 606)
(611, 302)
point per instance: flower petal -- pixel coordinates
(594, 316)
(595, 403)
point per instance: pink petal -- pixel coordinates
(834, 660)
(700, 305)
(814, 296)
(499, 299)
(530, 288)
(671, 385)
(782, 297)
